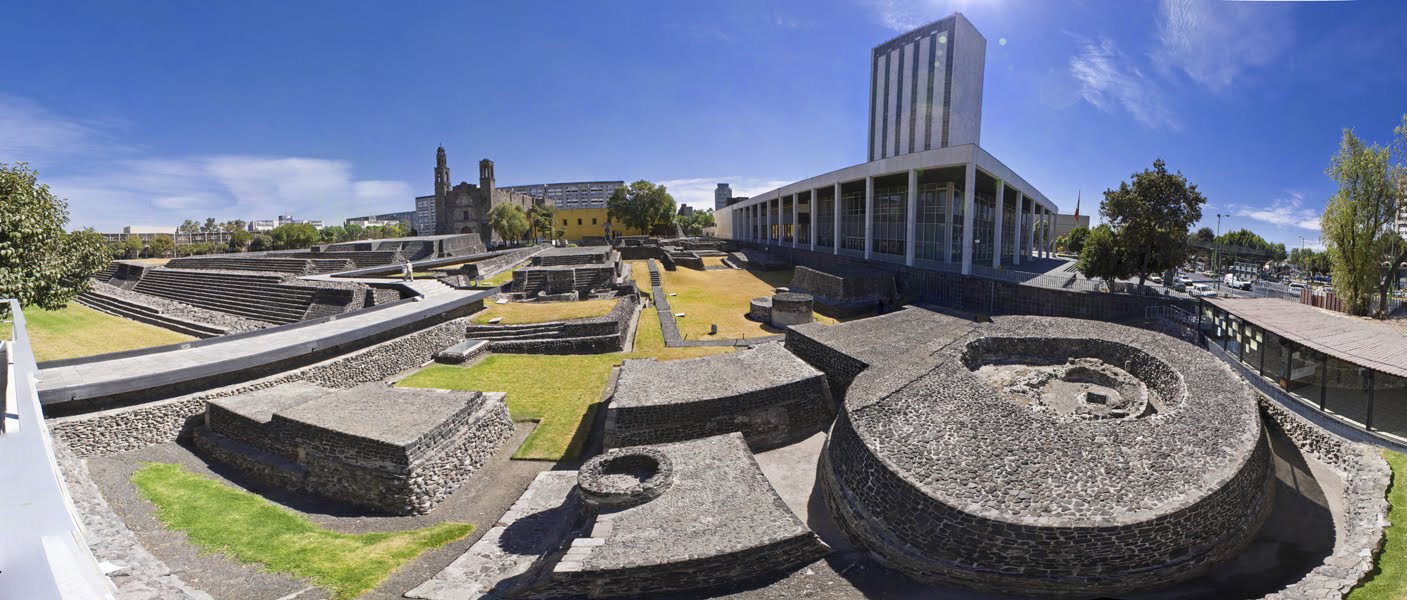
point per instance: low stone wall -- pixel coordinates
(765, 393)
(1366, 477)
(484, 269)
(839, 367)
(591, 335)
(131, 428)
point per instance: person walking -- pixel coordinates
(407, 273)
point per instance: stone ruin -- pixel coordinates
(782, 309)
(1037, 455)
(562, 274)
(840, 291)
(395, 450)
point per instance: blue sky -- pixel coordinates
(154, 112)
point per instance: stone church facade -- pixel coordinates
(464, 208)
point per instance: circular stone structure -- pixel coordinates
(1050, 456)
(790, 308)
(625, 477)
(760, 309)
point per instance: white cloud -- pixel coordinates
(1215, 42)
(1287, 211)
(109, 185)
(31, 133)
(904, 15)
(1109, 80)
(698, 192)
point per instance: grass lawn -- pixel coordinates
(499, 279)
(519, 313)
(1389, 580)
(560, 392)
(76, 330)
(721, 297)
(250, 529)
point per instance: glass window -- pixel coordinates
(1277, 352)
(1252, 346)
(1390, 404)
(930, 231)
(803, 218)
(959, 207)
(984, 221)
(890, 207)
(825, 218)
(852, 220)
(1008, 227)
(1344, 394)
(786, 204)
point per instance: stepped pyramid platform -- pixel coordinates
(567, 271)
(396, 450)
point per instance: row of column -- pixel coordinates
(755, 222)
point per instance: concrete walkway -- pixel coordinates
(167, 366)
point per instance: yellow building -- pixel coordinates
(587, 222)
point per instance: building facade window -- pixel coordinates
(825, 219)
(852, 220)
(958, 234)
(984, 222)
(930, 226)
(890, 219)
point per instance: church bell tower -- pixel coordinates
(486, 177)
(442, 184)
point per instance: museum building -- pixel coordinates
(929, 196)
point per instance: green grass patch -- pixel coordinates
(219, 518)
(77, 330)
(559, 392)
(722, 298)
(499, 279)
(1388, 581)
(521, 313)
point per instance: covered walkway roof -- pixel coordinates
(1351, 339)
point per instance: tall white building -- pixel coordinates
(926, 89)
(721, 196)
(930, 196)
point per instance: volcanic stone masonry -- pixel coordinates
(1025, 490)
(765, 392)
(398, 450)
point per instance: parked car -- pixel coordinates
(1155, 278)
(1184, 280)
(1202, 290)
(1179, 285)
(1295, 287)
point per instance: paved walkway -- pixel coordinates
(670, 327)
(164, 366)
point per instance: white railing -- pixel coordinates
(1171, 313)
(43, 553)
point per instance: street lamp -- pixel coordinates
(1216, 262)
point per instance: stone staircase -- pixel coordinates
(654, 275)
(145, 314)
(259, 297)
(107, 272)
(534, 331)
(360, 258)
(534, 281)
(270, 263)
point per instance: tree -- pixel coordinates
(40, 263)
(294, 236)
(1103, 256)
(235, 225)
(132, 246)
(542, 217)
(509, 221)
(640, 206)
(1358, 222)
(333, 234)
(693, 224)
(1074, 242)
(261, 243)
(188, 226)
(1205, 235)
(1152, 216)
(209, 226)
(239, 240)
(161, 244)
(354, 232)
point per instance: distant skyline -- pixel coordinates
(328, 110)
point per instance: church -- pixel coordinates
(464, 208)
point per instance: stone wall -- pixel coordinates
(936, 542)
(135, 427)
(840, 368)
(1366, 477)
(990, 296)
(591, 335)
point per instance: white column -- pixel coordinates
(1020, 239)
(1047, 234)
(811, 235)
(835, 222)
(869, 215)
(969, 201)
(795, 213)
(911, 218)
(950, 224)
(1000, 205)
(1031, 232)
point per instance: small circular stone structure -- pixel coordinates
(1050, 456)
(625, 477)
(760, 309)
(791, 308)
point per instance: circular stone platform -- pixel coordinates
(1038, 455)
(625, 477)
(790, 308)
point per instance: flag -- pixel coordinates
(1077, 207)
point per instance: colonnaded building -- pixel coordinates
(929, 196)
(464, 208)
